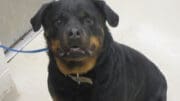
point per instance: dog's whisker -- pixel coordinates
(83, 52)
(90, 52)
(61, 54)
(68, 53)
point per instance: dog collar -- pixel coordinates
(81, 79)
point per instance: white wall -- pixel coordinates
(14, 18)
(152, 27)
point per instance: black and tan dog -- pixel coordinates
(86, 64)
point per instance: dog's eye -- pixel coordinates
(58, 22)
(88, 21)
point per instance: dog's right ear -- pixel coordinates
(36, 20)
(111, 17)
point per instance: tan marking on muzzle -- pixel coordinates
(95, 41)
(88, 64)
(55, 44)
(77, 59)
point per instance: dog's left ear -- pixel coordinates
(111, 17)
(36, 20)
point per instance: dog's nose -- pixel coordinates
(74, 33)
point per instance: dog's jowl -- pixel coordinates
(86, 64)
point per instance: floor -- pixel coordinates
(145, 26)
(29, 72)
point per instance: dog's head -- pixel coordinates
(74, 30)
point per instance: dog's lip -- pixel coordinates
(75, 52)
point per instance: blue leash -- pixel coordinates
(26, 51)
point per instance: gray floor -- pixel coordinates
(29, 72)
(151, 27)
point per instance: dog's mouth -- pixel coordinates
(75, 53)
(74, 57)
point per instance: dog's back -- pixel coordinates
(136, 76)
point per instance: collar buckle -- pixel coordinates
(81, 79)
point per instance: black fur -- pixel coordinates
(120, 74)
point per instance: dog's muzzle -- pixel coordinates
(76, 45)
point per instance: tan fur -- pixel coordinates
(55, 99)
(55, 44)
(77, 59)
(95, 41)
(88, 64)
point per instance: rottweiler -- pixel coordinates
(86, 64)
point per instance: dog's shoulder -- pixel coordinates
(130, 54)
(137, 64)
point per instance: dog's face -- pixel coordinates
(74, 30)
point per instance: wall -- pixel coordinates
(14, 18)
(153, 28)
